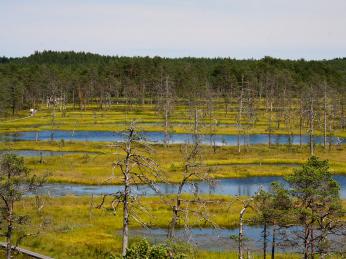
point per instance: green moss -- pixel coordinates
(115, 118)
(256, 160)
(76, 229)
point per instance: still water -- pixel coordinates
(287, 240)
(43, 153)
(230, 186)
(158, 137)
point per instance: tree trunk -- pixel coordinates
(73, 100)
(167, 110)
(241, 234)
(126, 199)
(325, 119)
(265, 240)
(306, 243)
(330, 139)
(342, 116)
(270, 124)
(240, 114)
(175, 211)
(174, 221)
(143, 94)
(312, 244)
(126, 218)
(195, 128)
(166, 127)
(9, 235)
(273, 243)
(300, 130)
(311, 131)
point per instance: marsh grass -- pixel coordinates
(117, 116)
(226, 162)
(73, 228)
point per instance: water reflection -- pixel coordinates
(231, 186)
(43, 153)
(158, 137)
(286, 239)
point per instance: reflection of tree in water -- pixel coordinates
(212, 186)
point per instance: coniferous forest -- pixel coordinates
(85, 78)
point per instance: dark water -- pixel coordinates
(204, 238)
(158, 137)
(254, 165)
(287, 240)
(182, 124)
(43, 153)
(231, 186)
(208, 238)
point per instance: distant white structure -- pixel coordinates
(32, 112)
(52, 101)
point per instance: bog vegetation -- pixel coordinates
(52, 91)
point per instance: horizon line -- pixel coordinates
(170, 57)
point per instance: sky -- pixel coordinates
(310, 29)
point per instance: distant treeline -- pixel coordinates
(84, 78)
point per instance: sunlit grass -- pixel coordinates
(74, 228)
(77, 231)
(148, 119)
(226, 162)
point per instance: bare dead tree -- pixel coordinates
(288, 108)
(191, 172)
(210, 114)
(341, 100)
(329, 109)
(325, 112)
(52, 108)
(301, 118)
(269, 109)
(249, 112)
(311, 121)
(165, 106)
(240, 110)
(308, 114)
(136, 167)
(196, 115)
(246, 205)
(228, 97)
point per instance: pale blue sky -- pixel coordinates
(311, 29)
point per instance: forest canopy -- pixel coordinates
(83, 77)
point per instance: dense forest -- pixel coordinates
(85, 78)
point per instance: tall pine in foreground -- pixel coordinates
(15, 182)
(317, 205)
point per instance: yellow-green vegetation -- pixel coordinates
(256, 160)
(88, 92)
(148, 118)
(234, 255)
(74, 228)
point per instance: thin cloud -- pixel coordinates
(241, 29)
